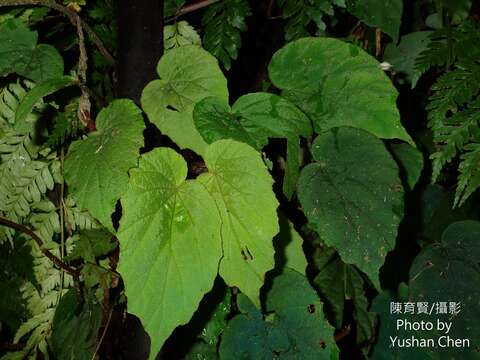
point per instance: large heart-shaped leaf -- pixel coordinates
(298, 329)
(19, 53)
(448, 272)
(253, 119)
(170, 244)
(96, 169)
(187, 75)
(352, 196)
(242, 188)
(338, 84)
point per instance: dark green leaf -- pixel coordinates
(74, 337)
(19, 53)
(38, 92)
(386, 15)
(353, 197)
(350, 91)
(297, 329)
(253, 119)
(91, 244)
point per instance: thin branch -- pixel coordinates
(343, 333)
(103, 333)
(191, 8)
(73, 17)
(59, 263)
(378, 42)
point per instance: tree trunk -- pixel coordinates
(140, 45)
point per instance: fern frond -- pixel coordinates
(41, 300)
(45, 220)
(78, 219)
(454, 117)
(301, 15)
(459, 44)
(224, 21)
(10, 98)
(180, 34)
(469, 168)
(26, 184)
(66, 126)
(172, 6)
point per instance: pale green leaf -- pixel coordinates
(352, 196)
(288, 248)
(386, 15)
(38, 92)
(338, 84)
(187, 75)
(170, 244)
(253, 119)
(242, 188)
(96, 169)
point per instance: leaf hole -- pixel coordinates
(246, 254)
(311, 308)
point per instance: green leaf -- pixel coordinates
(350, 91)
(218, 321)
(410, 161)
(242, 188)
(74, 337)
(387, 328)
(354, 290)
(330, 283)
(298, 329)
(352, 196)
(19, 53)
(170, 238)
(202, 351)
(449, 271)
(288, 248)
(253, 119)
(180, 34)
(338, 282)
(92, 243)
(96, 169)
(188, 74)
(38, 92)
(402, 56)
(386, 15)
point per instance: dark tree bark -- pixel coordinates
(140, 45)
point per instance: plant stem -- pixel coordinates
(59, 263)
(191, 8)
(73, 17)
